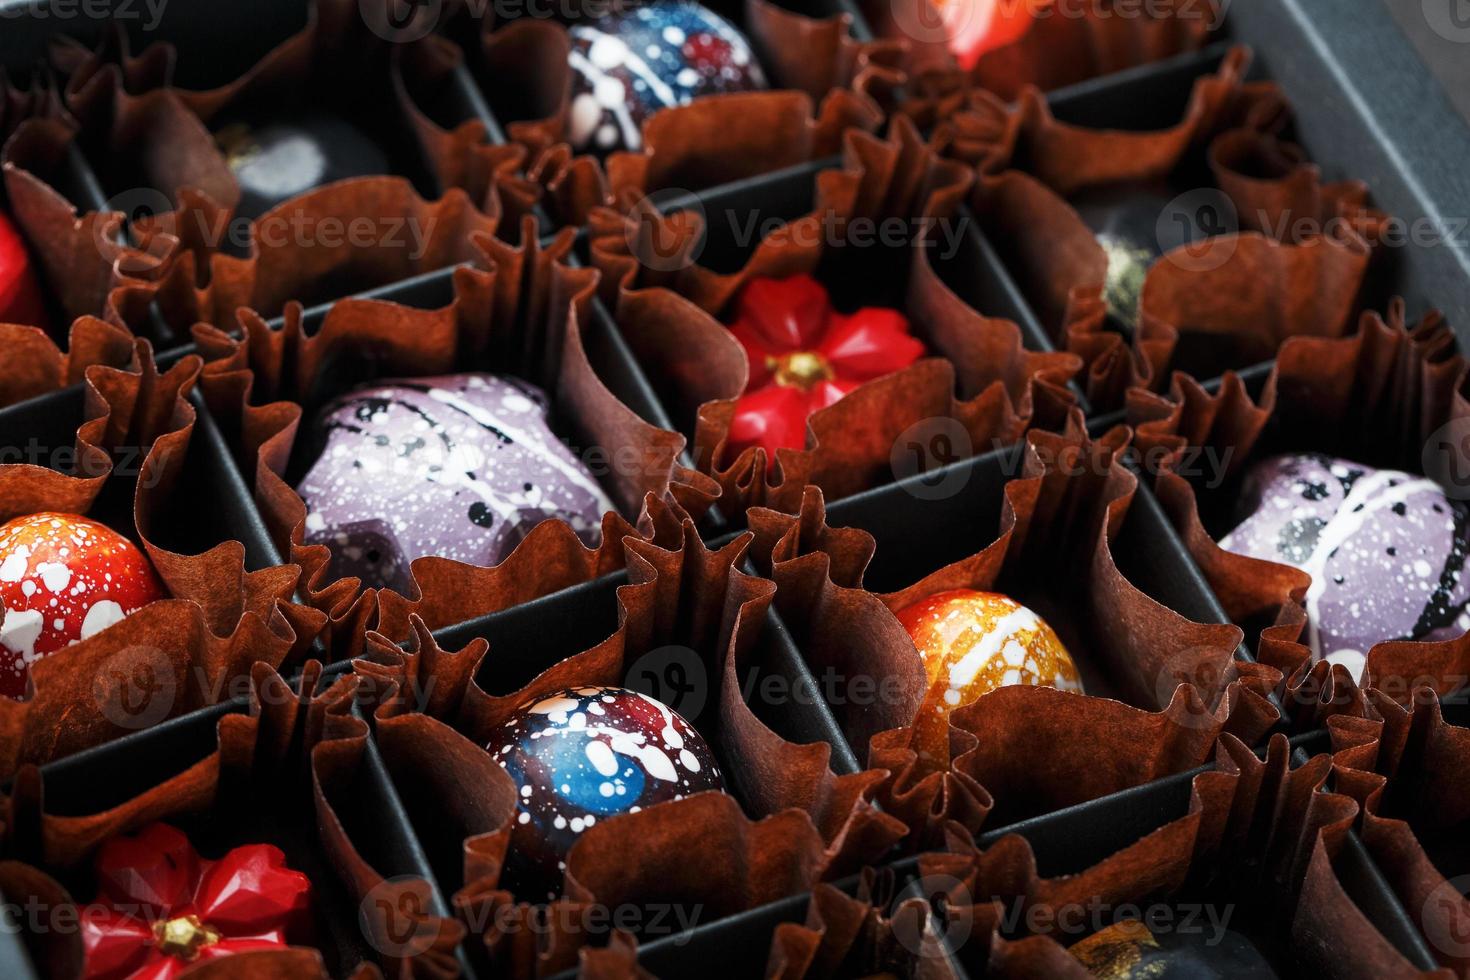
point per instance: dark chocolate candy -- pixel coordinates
(1125, 221)
(1203, 951)
(590, 753)
(1136, 225)
(293, 154)
(461, 466)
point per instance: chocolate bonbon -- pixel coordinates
(20, 292)
(161, 908)
(804, 356)
(629, 65)
(586, 754)
(296, 153)
(1386, 550)
(973, 643)
(63, 579)
(460, 466)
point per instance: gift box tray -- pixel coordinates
(1382, 121)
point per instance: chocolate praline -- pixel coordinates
(1133, 227)
(20, 292)
(1128, 950)
(973, 643)
(63, 579)
(628, 65)
(295, 153)
(460, 466)
(590, 753)
(1386, 550)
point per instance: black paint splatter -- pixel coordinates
(1313, 490)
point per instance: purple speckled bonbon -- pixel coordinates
(461, 466)
(1386, 550)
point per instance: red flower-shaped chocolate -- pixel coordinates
(804, 356)
(20, 294)
(160, 907)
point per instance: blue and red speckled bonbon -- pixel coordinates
(587, 754)
(627, 66)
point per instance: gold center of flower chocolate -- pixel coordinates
(184, 936)
(804, 369)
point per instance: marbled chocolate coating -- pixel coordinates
(1386, 550)
(461, 466)
(587, 754)
(630, 64)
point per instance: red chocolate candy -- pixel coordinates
(804, 356)
(20, 294)
(161, 908)
(63, 578)
(976, 27)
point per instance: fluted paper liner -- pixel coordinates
(823, 83)
(300, 749)
(38, 97)
(1064, 47)
(996, 134)
(988, 387)
(1061, 512)
(1377, 398)
(411, 236)
(709, 142)
(34, 365)
(1254, 829)
(1406, 767)
(520, 310)
(1295, 267)
(192, 650)
(805, 823)
(618, 960)
(131, 110)
(80, 256)
(858, 935)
